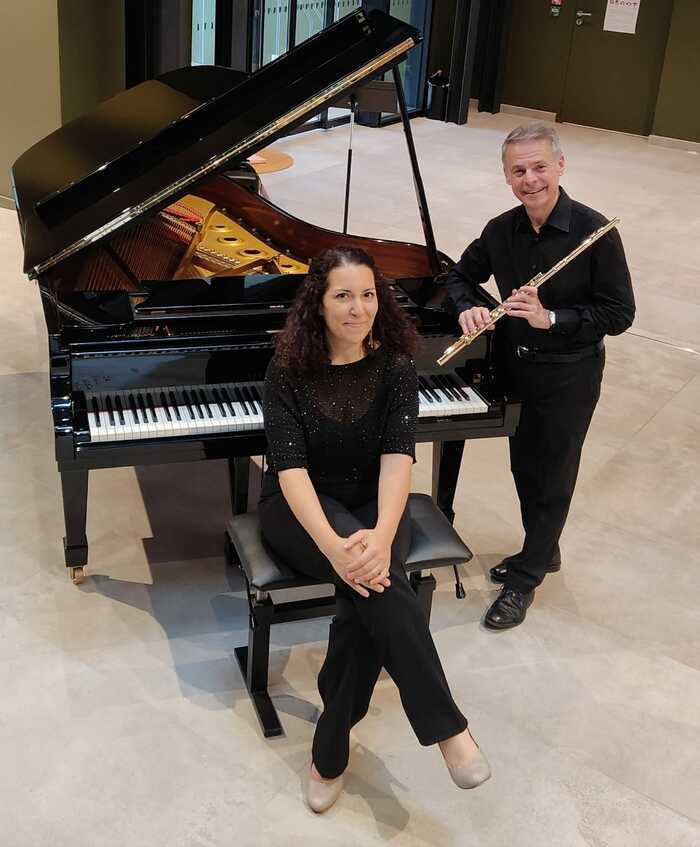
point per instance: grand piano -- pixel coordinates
(165, 272)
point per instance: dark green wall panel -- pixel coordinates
(538, 52)
(678, 106)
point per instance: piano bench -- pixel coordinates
(434, 544)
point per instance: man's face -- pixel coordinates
(532, 170)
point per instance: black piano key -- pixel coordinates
(248, 396)
(240, 399)
(444, 394)
(192, 404)
(457, 387)
(164, 403)
(151, 406)
(228, 400)
(120, 410)
(205, 403)
(219, 402)
(142, 407)
(134, 408)
(187, 410)
(432, 396)
(96, 412)
(110, 409)
(175, 405)
(440, 381)
(258, 399)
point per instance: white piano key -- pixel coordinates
(131, 428)
(458, 405)
(221, 407)
(154, 426)
(167, 414)
(181, 423)
(221, 412)
(187, 413)
(255, 407)
(195, 422)
(108, 433)
(134, 418)
(162, 427)
(119, 427)
(244, 411)
(94, 425)
(476, 403)
(142, 413)
(116, 425)
(206, 422)
(211, 422)
(154, 423)
(215, 421)
(239, 423)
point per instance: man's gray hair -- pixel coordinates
(537, 131)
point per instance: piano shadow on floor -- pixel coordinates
(197, 600)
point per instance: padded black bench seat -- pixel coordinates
(434, 544)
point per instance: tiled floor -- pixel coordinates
(124, 718)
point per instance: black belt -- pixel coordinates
(531, 354)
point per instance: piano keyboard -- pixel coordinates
(185, 410)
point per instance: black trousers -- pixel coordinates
(386, 629)
(558, 403)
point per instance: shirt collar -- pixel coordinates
(559, 217)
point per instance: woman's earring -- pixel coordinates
(370, 340)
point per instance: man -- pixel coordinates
(553, 344)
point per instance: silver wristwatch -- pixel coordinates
(552, 318)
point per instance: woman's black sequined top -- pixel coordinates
(338, 423)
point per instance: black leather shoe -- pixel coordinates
(499, 572)
(508, 609)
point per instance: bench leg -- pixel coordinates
(424, 586)
(254, 660)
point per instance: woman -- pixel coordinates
(341, 402)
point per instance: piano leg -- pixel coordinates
(239, 478)
(447, 459)
(75, 546)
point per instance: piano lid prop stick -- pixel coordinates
(535, 282)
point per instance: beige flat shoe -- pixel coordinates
(473, 774)
(320, 796)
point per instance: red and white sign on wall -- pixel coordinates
(621, 16)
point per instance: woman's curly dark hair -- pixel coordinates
(302, 344)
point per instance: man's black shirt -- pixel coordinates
(591, 297)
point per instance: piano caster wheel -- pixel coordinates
(77, 575)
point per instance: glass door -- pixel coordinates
(275, 29)
(203, 31)
(311, 17)
(286, 23)
(412, 70)
(341, 8)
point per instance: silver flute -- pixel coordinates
(535, 282)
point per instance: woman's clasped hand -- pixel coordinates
(349, 559)
(371, 567)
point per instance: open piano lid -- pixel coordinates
(140, 150)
